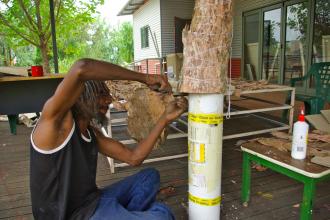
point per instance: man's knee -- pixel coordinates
(151, 174)
(162, 211)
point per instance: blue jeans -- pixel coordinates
(133, 198)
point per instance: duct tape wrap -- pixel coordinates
(205, 125)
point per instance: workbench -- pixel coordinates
(25, 95)
(254, 112)
(301, 170)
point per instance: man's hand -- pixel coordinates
(175, 108)
(158, 83)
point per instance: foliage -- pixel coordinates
(98, 41)
(27, 22)
(321, 28)
(79, 34)
(298, 19)
(124, 42)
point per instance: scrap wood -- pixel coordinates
(326, 115)
(279, 144)
(319, 122)
(239, 85)
(143, 106)
(259, 168)
(14, 71)
(324, 161)
(313, 148)
(296, 205)
(319, 137)
(268, 196)
(313, 136)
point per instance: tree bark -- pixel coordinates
(144, 107)
(45, 58)
(207, 47)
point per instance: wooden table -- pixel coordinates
(25, 95)
(302, 170)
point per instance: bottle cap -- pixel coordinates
(301, 116)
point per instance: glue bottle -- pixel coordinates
(299, 138)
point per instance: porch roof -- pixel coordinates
(131, 6)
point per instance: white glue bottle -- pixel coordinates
(299, 138)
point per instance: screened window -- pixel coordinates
(144, 36)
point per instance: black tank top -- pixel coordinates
(63, 181)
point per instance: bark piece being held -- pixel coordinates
(144, 107)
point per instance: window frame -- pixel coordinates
(144, 33)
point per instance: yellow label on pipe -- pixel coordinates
(206, 118)
(205, 202)
(196, 152)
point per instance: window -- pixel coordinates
(145, 37)
(321, 33)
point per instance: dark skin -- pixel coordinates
(56, 120)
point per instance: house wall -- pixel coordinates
(148, 14)
(159, 15)
(148, 66)
(170, 9)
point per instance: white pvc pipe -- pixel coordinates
(205, 125)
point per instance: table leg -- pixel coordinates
(246, 179)
(12, 123)
(308, 197)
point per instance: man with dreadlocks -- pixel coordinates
(66, 141)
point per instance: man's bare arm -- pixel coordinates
(83, 70)
(56, 120)
(136, 156)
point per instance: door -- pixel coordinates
(295, 51)
(251, 46)
(271, 47)
(275, 42)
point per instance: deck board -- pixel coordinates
(285, 193)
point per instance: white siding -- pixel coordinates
(159, 15)
(148, 14)
(240, 6)
(169, 10)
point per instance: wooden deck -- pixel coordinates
(273, 196)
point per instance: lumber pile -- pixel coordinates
(206, 47)
(143, 106)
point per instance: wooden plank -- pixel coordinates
(326, 115)
(324, 161)
(19, 71)
(319, 122)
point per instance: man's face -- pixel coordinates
(104, 100)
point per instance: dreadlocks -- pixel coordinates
(87, 105)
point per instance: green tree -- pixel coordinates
(124, 40)
(98, 41)
(27, 21)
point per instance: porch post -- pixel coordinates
(205, 155)
(206, 54)
(52, 22)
